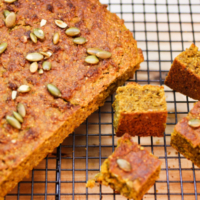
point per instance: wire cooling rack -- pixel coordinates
(163, 29)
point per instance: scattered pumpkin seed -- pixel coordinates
(73, 31)
(13, 122)
(60, 24)
(6, 13)
(92, 59)
(21, 109)
(9, 1)
(46, 66)
(24, 88)
(194, 123)
(14, 95)
(41, 71)
(18, 116)
(43, 22)
(103, 54)
(3, 47)
(34, 57)
(93, 51)
(33, 67)
(56, 38)
(10, 20)
(54, 90)
(47, 54)
(124, 165)
(79, 40)
(33, 37)
(39, 33)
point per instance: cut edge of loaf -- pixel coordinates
(81, 114)
(184, 147)
(120, 114)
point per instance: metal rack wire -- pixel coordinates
(163, 29)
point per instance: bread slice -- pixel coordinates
(184, 74)
(84, 87)
(140, 110)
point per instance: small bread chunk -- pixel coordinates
(184, 75)
(140, 110)
(130, 170)
(185, 137)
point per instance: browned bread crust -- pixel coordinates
(84, 87)
(140, 110)
(185, 138)
(143, 173)
(184, 74)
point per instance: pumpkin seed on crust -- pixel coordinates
(34, 57)
(56, 38)
(13, 122)
(46, 66)
(53, 90)
(103, 54)
(24, 88)
(18, 116)
(33, 37)
(73, 31)
(60, 24)
(194, 123)
(21, 109)
(124, 165)
(10, 20)
(3, 47)
(6, 13)
(9, 1)
(79, 40)
(39, 33)
(93, 51)
(33, 67)
(91, 59)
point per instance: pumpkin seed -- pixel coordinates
(6, 13)
(124, 165)
(91, 59)
(13, 122)
(79, 40)
(24, 88)
(43, 22)
(3, 47)
(39, 33)
(93, 51)
(46, 66)
(10, 20)
(56, 38)
(194, 123)
(33, 67)
(14, 95)
(73, 31)
(21, 109)
(47, 54)
(41, 71)
(33, 37)
(18, 116)
(9, 1)
(34, 57)
(54, 90)
(60, 24)
(103, 54)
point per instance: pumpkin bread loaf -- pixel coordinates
(185, 138)
(130, 170)
(184, 75)
(140, 110)
(49, 81)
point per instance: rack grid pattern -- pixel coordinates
(163, 29)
